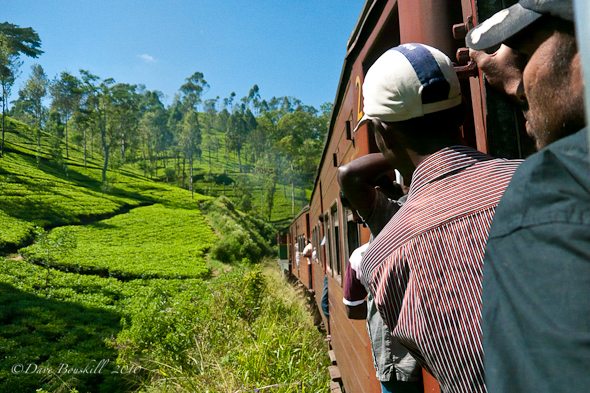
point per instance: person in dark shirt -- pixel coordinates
(536, 308)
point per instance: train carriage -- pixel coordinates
(491, 125)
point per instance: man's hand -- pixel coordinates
(503, 70)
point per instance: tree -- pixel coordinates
(192, 90)
(103, 106)
(299, 138)
(14, 41)
(240, 125)
(88, 115)
(29, 105)
(191, 140)
(55, 129)
(174, 123)
(66, 92)
(210, 142)
(124, 116)
(191, 97)
(154, 134)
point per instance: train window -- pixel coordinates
(352, 233)
(315, 243)
(335, 242)
(328, 243)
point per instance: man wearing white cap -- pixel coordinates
(536, 282)
(424, 268)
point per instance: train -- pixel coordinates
(491, 125)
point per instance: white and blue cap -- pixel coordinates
(512, 20)
(409, 81)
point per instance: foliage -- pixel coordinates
(153, 241)
(164, 333)
(116, 265)
(245, 330)
(50, 318)
(13, 231)
(242, 237)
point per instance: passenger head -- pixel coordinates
(412, 99)
(550, 89)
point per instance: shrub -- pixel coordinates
(240, 235)
(243, 330)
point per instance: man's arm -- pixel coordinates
(359, 178)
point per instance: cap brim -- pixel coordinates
(362, 121)
(501, 26)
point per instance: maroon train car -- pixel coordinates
(491, 125)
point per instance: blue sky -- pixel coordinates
(287, 47)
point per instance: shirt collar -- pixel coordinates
(444, 162)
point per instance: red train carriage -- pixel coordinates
(491, 125)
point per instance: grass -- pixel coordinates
(243, 330)
(249, 331)
(159, 283)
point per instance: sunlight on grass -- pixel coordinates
(143, 274)
(153, 241)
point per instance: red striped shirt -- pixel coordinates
(425, 267)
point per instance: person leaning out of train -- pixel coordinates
(307, 251)
(536, 309)
(424, 268)
(373, 194)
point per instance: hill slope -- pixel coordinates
(118, 287)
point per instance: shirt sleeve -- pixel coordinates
(354, 293)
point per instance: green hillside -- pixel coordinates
(137, 285)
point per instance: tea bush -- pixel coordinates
(152, 241)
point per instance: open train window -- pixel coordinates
(352, 233)
(334, 237)
(327, 242)
(315, 242)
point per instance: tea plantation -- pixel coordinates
(139, 286)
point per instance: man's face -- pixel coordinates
(551, 93)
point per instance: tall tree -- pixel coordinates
(210, 142)
(300, 135)
(124, 117)
(88, 115)
(174, 124)
(191, 140)
(14, 41)
(66, 92)
(153, 131)
(55, 130)
(104, 106)
(241, 124)
(29, 105)
(191, 95)
(192, 90)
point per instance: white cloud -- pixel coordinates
(147, 58)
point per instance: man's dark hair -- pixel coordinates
(434, 131)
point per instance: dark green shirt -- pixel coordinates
(536, 282)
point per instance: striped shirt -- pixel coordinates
(425, 267)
